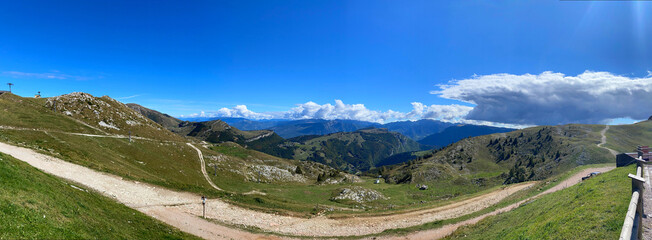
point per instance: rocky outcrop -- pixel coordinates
(358, 194)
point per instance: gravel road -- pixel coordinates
(183, 210)
(166, 205)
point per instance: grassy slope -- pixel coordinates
(30, 113)
(176, 166)
(593, 209)
(539, 187)
(93, 110)
(35, 205)
(625, 138)
(353, 151)
(308, 197)
(172, 165)
(538, 152)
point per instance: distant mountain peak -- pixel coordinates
(373, 130)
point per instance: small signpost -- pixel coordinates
(10, 84)
(203, 203)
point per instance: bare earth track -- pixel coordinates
(449, 229)
(203, 167)
(603, 140)
(182, 210)
(444, 231)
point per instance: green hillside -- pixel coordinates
(164, 162)
(158, 160)
(31, 113)
(593, 209)
(625, 138)
(218, 131)
(353, 151)
(347, 151)
(163, 119)
(528, 154)
(35, 205)
(107, 115)
(258, 180)
(252, 179)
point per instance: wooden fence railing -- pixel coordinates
(632, 228)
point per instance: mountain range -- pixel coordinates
(455, 133)
(346, 145)
(355, 151)
(352, 151)
(431, 130)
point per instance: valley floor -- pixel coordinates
(182, 210)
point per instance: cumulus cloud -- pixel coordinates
(241, 111)
(311, 110)
(552, 98)
(194, 115)
(360, 112)
(453, 112)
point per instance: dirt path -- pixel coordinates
(446, 230)
(203, 167)
(572, 180)
(151, 200)
(166, 205)
(181, 209)
(603, 141)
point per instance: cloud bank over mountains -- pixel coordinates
(507, 100)
(340, 110)
(552, 98)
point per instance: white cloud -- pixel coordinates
(240, 111)
(129, 97)
(195, 115)
(453, 112)
(49, 75)
(340, 110)
(552, 98)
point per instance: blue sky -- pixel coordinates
(186, 57)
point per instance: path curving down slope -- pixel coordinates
(203, 167)
(603, 141)
(182, 210)
(444, 231)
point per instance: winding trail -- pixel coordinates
(603, 141)
(444, 231)
(203, 167)
(183, 210)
